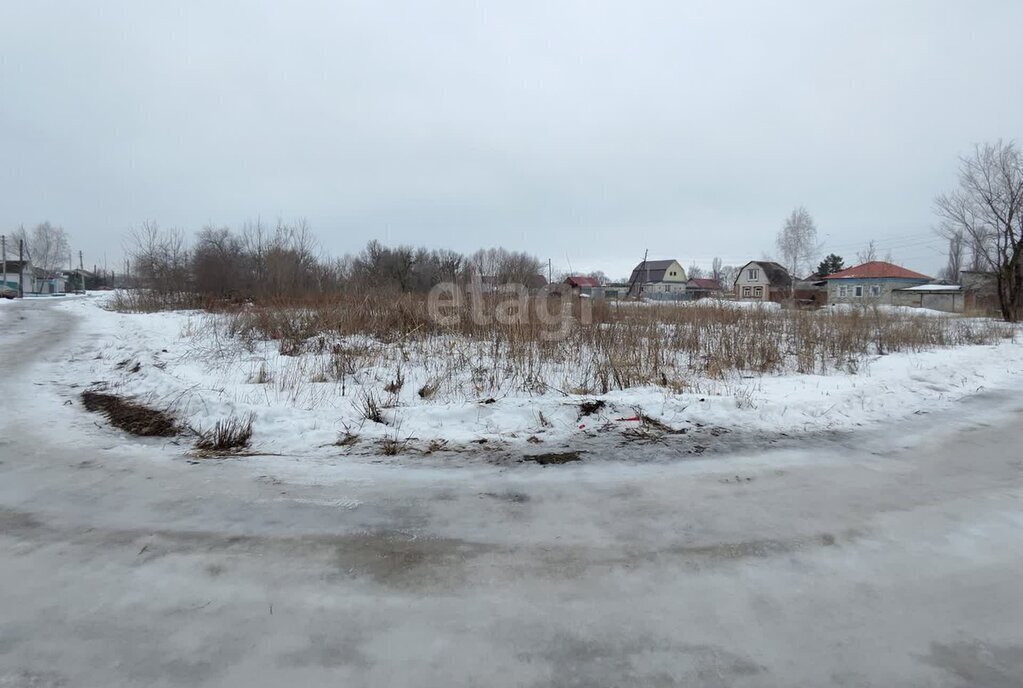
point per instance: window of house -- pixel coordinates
(858, 290)
(745, 291)
(753, 274)
(758, 292)
(843, 291)
(672, 273)
(875, 289)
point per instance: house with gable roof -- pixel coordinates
(658, 279)
(762, 280)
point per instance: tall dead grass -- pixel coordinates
(621, 347)
(150, 301)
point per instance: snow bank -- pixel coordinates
(723, 303)
(700, 303)
(889, 309)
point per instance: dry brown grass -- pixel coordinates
(130, 416)
(622, 346)
(148, 301)
(226, 436)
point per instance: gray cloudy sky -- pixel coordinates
(581, 131)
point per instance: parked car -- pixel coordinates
(8, 293)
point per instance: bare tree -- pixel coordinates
(47, 246)
(503, 266)
(727, 276)
(956, 249)
(219, 264)
(978, 253)
(160, 259)
(797, 244)
(868, 254)
(715, 269)
(988, 208)
(290, 260)
(694, 271)
(402, 268)
(254, 244)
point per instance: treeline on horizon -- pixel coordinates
(260, 263)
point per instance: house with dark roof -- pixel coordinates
(871, 282)
(77, 280)
(658, 279)
(702, 287)
(762, 280)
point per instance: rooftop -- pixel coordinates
(704, 283)
(933, 287)
(582, 281)
(876, 269)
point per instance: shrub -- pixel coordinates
(228, 435)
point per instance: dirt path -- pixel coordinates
(123, 564)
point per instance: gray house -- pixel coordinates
(871, 282)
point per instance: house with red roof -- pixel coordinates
(871, 282)
(582, 285)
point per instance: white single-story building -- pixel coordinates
(14, 274)
(937, 297)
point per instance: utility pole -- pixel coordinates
(3, 250)
(81, 272)
(550, 275)
(636, 277)
(21, 266)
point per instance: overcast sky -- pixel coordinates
(584, 132)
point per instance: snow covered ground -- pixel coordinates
(176, 360)
(886, 308)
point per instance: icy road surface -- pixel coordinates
(894, 560)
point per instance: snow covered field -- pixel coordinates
(178, 360)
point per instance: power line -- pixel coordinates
(906, 240)
(888, 247)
